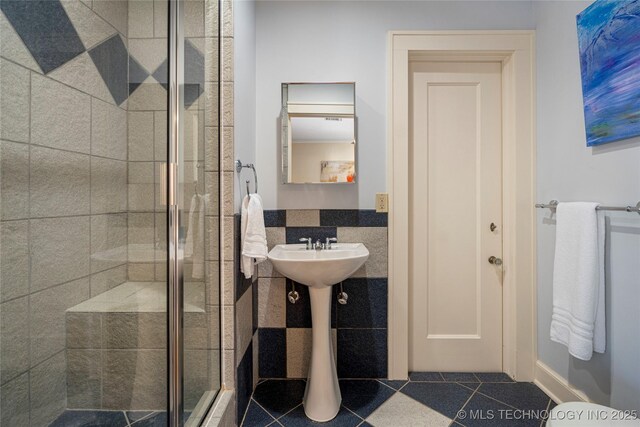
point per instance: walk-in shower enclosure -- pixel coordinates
(109, 201)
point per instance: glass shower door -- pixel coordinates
(194, 306)
(85, 224)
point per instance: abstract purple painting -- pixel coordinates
(609, 42)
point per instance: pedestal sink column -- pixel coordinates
(322, 396)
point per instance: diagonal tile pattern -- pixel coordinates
(110, 58)
(427, 399)
(46, 30)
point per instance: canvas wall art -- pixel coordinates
(337, 171)
(609, 42)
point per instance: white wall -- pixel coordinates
(244, 108)
(307, 41)
(568, 170)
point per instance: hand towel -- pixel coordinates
(578, 319)
(253, 234)
(194, 245)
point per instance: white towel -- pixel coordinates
(253, 234)
(194, 245)
(578, 319)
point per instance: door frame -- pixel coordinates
(516, 51)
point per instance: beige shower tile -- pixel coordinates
(108, 130)
(14, 179)
(14, 259)
(140, 135)
(14, 84)
(14, 338)
(48, 390)
(15, 401)
(108, 186)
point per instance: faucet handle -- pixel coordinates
(308, 241)
(328, 241)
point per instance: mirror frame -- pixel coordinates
(285, 128)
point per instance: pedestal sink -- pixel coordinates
(320, 270)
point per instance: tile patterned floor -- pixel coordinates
(427, 399)
(93, 418)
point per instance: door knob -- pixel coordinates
(495, 260)
(493, 227)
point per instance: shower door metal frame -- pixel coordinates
(175, 283)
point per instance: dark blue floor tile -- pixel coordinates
(460, 377)
(90, 418)
(279, 396)
(472, 386)
(446, 398)
(256, 416)
(134, 416)
(518, 395)
(395, 384)
(272, 360)
(158, 419)
(552, 405)
(244, 382)
(425, 376)
(365, 424)
(275, 218)
(297, 418)
(352, 218)
(494, 377)
(364, 396)
(111, 59)
(362, 353)
(482, 411)
(46, 30)
(294, 234)
(367, 306)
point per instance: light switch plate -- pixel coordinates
(382, 202)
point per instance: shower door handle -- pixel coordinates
(168, 174)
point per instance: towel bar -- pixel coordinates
(554, 203)
(251, 166)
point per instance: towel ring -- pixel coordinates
(251, 166)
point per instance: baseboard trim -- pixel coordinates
(555, 386)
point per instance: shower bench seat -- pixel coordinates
(116, 347)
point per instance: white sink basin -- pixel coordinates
(319, 268)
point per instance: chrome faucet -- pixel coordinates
(318, 246)
(308, 241)
(327, 244)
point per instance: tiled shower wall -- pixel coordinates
(64, 186)
(281, 345)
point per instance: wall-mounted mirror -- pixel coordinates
(318, 133)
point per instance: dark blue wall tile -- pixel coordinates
(275, 218)
(367, 304)
(111, 59)
(352, 218)
(193, 73)
(137, 74)
(272, 343)
(294, 234)
(362, 353)
(298, 315)
(254, 314)
(241, 282)
(45, 29)
(244, 383)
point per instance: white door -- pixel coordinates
(455, 190)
